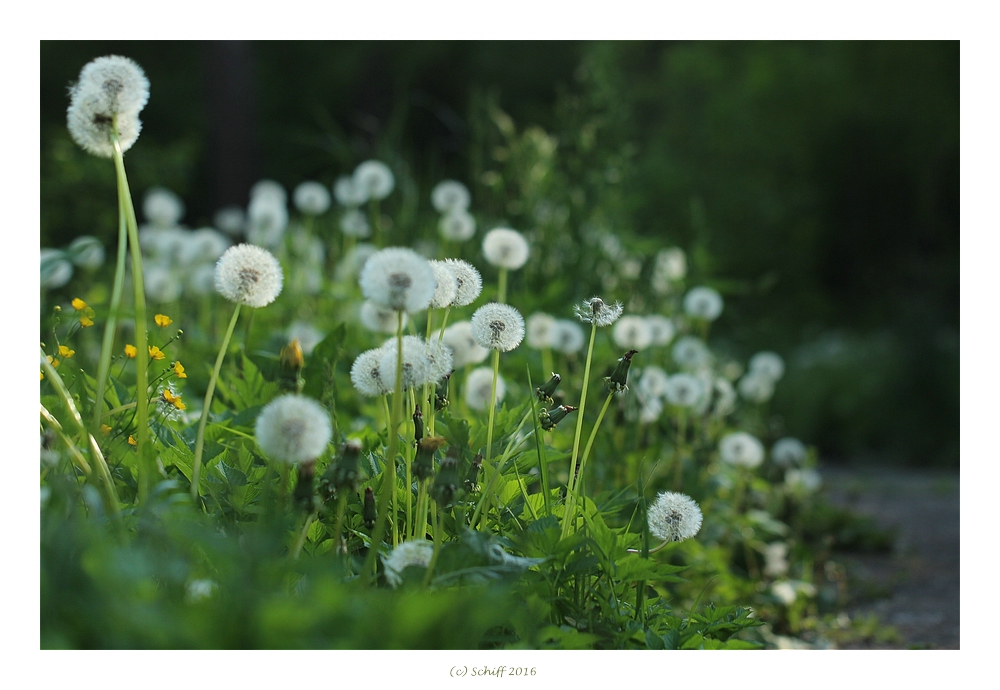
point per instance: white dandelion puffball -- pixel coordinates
(249, 275)
(354, 260)
(540, 328)
(56, 269)
(597, 311)
(498, 326)
(725, 396)
(267, 218)
(366, 373)
(653, 382)
(111, 90)
(671, 263)
(469, 282)
(567, 337)
(691, 353)
(201, 280)
(204, 245)
(807, 481)
(398, 278)
(231, 220)
(440, 361)
(684, 390)
(703, 303)
(161, 283)
(347, 193)
(415, 552)
(374, 179)
(756, 387)
(354, 224)
(788, 452)
(674, 517)
(505, 248)
(740, 448)
(293, 429)
(86, 252)
(162, 208)
(450, 196)
(446, 285)
(416, 366)
(768, 364)
(650, 411)
(661, 329)
(464, 348)
(478, 387)
(378, 319)
(311, 198)
(457, 226)
(632, 333)
(269, 189)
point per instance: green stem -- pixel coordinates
(108, 342)
(302, 536)
(502, 288)
(338, 526)
(679, 461)
(570, 496)
(486, 496)
(436, 519)
(590, 442)
(199, 445)
(543, 463)
(493, 407)
(146, 463)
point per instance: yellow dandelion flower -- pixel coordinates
(86, 321)
(78, 304)
(179, 370)
(131, 351)
(162, 320)
(105, 429)
(66, 352)
(174, 400)
(131, 441)
(155, 353)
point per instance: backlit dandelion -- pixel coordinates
(464, 347)
(111, 92)
(468, 281)
(293, 429)
(366, 373)
(248, 275)
(446, 285)
(311, 198)
(374, 179)
(674, 517)
(398, 278)
(505, 248)
(740, 448)
(498, 326)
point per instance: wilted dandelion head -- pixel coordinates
(597, 311)
(267, 218)
(311, 198)
(661, 329)
(379, 319)
(440, 361)
(415, 552)
(293, 429)
(457, 226)
(632, 333)
(505, 248)
(567, 337)
(703, 303)
(684, 390)
(366, 373)
(478, 387)
(446, 285)
(374, 179)
(498, 326)
(111, 89)
(691, 353)
(464, 348)
(468, 281)
(348, 193)
(740, 448)
(756, 387)
(449, 196)
(768, 364)
(249, 275)
(788, 452)
(674, 517)
(540, 329)
(416, 366)
(398, 278)
(162, 208)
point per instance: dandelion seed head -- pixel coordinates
(366, 373)
(416, 366)
(293, 429)
(505, 248)
(468, 282)
(231, 220)
(775, 559)
(56, 269)
(661, 329)
(457, 226)
(498, 326)
(311, 198)
(567, 337)
(674, 517)
(740, 448)
(374, 179)
(768, 364)
(478, 387)
(446, 285)
(415, 552)
(86, 252)
(632, 333)
(540, 329)
(691, 353)
(354, 224)
(803, 480)
(440, 361)
(398, 278)
(201, 246)
(161, 283)
(249, 275)
(162, 208)
(653, 382)
(684, 390)
(379, 319)
(269, 189)
(109, 89)
(464, 347)
(348, 193)
(788, 452)
(267, 218)
(756, 387)
(597, 311)
(703, 303)
(308, 336)
(449, 196)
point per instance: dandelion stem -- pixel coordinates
(302, 536)
(108, 342)
(338, 526)
(568, 514)
(502, 287)
(590, 441)
(489, 428)
(436, 520)
(199, 444)
(543, 463)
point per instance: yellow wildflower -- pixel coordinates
(162, 320)
(131, 441)
(52, 360)
(41, 375)
(66, 352)
(131, 351)
(105, 429)
(78, 304)
(155, 353)
(174, 400)
(86, 321)
(179, 370)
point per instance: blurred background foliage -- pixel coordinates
(815, 184)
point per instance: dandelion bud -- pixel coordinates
(441, 394)
(418, 426)
(342, 472)
(110, 94)
(423, 462)
(249, 275)
(506, 248)
(549, 418)
(618, 381)
(290, 363)
(545, 391)
(674, 517)
(446, 482)
(472, 477)
(368, 511)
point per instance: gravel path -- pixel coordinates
(915, 589)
